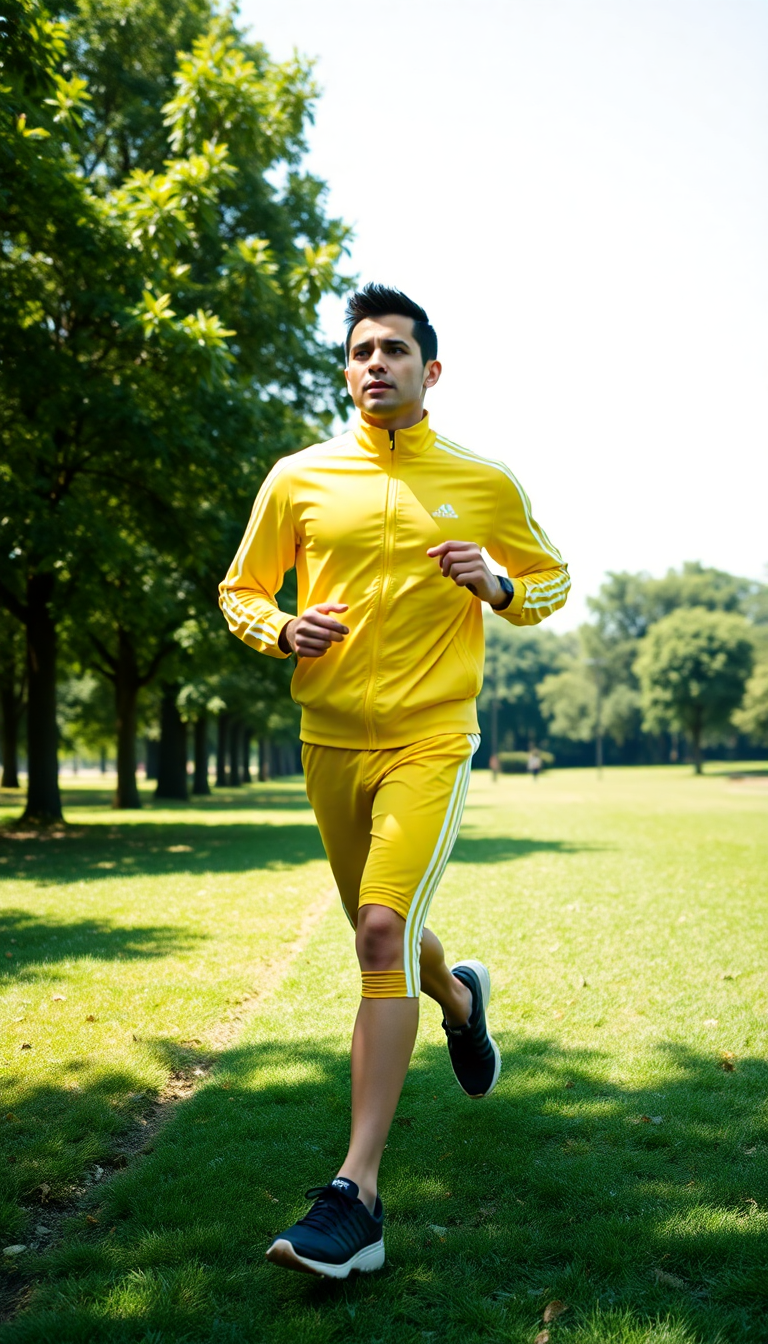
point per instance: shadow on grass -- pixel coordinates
(99, 853)
(40, 942)
(553, 1187)
(89, 853)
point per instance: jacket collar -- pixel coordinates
(408, 441)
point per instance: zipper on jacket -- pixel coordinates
(378, 619)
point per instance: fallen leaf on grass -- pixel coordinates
(11, 1116)
(26, 1046)
(668, 1280)
(711, 1021)
(553, 1310)
(179, 849)
(89, 1218)
(542, 1337)
(59, 998)
(570, 1083)
(727, 1058)
(729, 975)
(750, 1151)
(438, 1231)
(647, 1120)
(13, 1250)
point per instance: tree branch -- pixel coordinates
(104, 653)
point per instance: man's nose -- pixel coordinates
(377, 363)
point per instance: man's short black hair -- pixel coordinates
(379, 301)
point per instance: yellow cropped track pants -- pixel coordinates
(388, 821)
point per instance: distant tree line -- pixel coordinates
(665, 668)
(163, 258)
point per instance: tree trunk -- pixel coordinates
(265, 772)
(696, 744)
(222, 742)
(103, 760)
(11, 714)
(235, 748)
(172, 763)
(152, 747)
(246, 755)
(126, 712)
(200, 782)
(43, 797)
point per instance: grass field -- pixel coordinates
(620, 1168)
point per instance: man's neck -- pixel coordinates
(406, 419)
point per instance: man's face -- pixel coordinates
(385, 372)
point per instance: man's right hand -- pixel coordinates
(312, 634)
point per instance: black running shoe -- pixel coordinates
(474, 1053)
(335, 1237)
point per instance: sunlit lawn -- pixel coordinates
(620, 1167)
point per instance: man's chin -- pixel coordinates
(383, 403)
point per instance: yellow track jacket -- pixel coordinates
(356, 516)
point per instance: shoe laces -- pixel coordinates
(330, 1202)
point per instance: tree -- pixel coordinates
(693, 666)
(752, 717)
(516, 660)
(159, 305)
(13, 695)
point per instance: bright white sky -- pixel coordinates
(577, 192)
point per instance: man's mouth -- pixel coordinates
(378, 386)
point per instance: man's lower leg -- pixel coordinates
(382, 1044)
(436, 981)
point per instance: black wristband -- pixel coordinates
(282, 639)
(508, 588)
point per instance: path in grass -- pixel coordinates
(621, 1166)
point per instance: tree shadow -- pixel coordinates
(482, 848)
(185, 845)
(98, 853)
(639, 1205)
(36, 943)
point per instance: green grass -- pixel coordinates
(625, 924)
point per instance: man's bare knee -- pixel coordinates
(379, 939)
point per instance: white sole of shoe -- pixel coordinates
(281, 1253)
(484, 976)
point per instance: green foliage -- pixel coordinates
(693, 666)
(163, 256)
(752, 717)
(86, 714)
(516, 660)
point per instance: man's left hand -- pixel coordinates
(463, 562)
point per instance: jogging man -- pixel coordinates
(386, 525)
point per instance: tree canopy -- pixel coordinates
(693, 666)
(163, 257)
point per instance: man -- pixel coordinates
(385, 525)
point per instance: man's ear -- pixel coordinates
(346, 379)
(432, 370)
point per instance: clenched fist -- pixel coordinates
(463, 562)
(312, 634)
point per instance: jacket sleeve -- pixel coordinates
(536, 568)
(266, 553)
